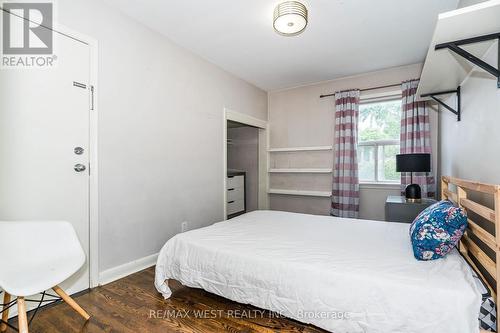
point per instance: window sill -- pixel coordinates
(377, 185)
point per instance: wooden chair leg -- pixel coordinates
(5, 314)
(21, 315)
(71, 302)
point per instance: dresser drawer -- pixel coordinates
(235, 206)
(236, 194)
(235, 182)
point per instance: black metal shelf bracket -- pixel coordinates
(456, 111)
(455, 47)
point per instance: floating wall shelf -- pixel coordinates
(325, 194)
(300, 170)
(455, 47)
(292, 149)
(448, 64)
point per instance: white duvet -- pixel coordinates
(343, 275)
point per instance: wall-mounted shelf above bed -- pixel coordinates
(461, 39)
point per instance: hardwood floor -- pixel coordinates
(132, 304)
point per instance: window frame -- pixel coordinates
(377, 144)
(372, 99)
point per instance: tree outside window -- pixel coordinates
(378, 141)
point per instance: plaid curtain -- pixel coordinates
(345, 194)
(415, 136)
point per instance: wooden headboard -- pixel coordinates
(470, 247)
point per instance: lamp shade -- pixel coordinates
(290, 18)
(413, 162)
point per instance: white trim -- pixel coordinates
(380, 186)
(124, 270)
(93, 148)
(263, 199)
(264, 162)
(385, 96)
(344, 78)
(326, 194)
(313, 148)
(94, 178)
(303, 170)
(469, 9)
(231, 115)
(374, 143)
(224, 165)
(244, 119)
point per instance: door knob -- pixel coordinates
(79, 167)
(78, 150)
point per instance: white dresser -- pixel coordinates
(235, 204)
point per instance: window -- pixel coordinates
(378, 141)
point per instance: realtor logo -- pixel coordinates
(27, 35)
(27, 28)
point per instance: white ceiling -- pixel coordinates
(344, 37)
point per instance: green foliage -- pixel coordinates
(390, 163)
(379, 121)
(371, 134)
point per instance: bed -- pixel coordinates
(342, 275)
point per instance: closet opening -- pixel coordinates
(245, 164)
(242, 168)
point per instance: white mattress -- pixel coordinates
(343, 275)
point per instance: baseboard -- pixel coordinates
(122, 271)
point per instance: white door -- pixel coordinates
(44, 116)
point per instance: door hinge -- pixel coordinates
(91, 97)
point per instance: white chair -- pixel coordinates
(37, 256)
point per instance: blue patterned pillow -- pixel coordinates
(437, 230)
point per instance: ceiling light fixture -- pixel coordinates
(290, 18)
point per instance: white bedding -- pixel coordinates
(343, 275)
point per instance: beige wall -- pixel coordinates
(465, 3)
(160, 132)
(298, 117)
(470, 148)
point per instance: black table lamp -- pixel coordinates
(413, 163)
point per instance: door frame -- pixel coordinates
(93, 149)
(228, 114)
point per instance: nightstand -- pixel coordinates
(397, 209)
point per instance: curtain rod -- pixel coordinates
(366, 89)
